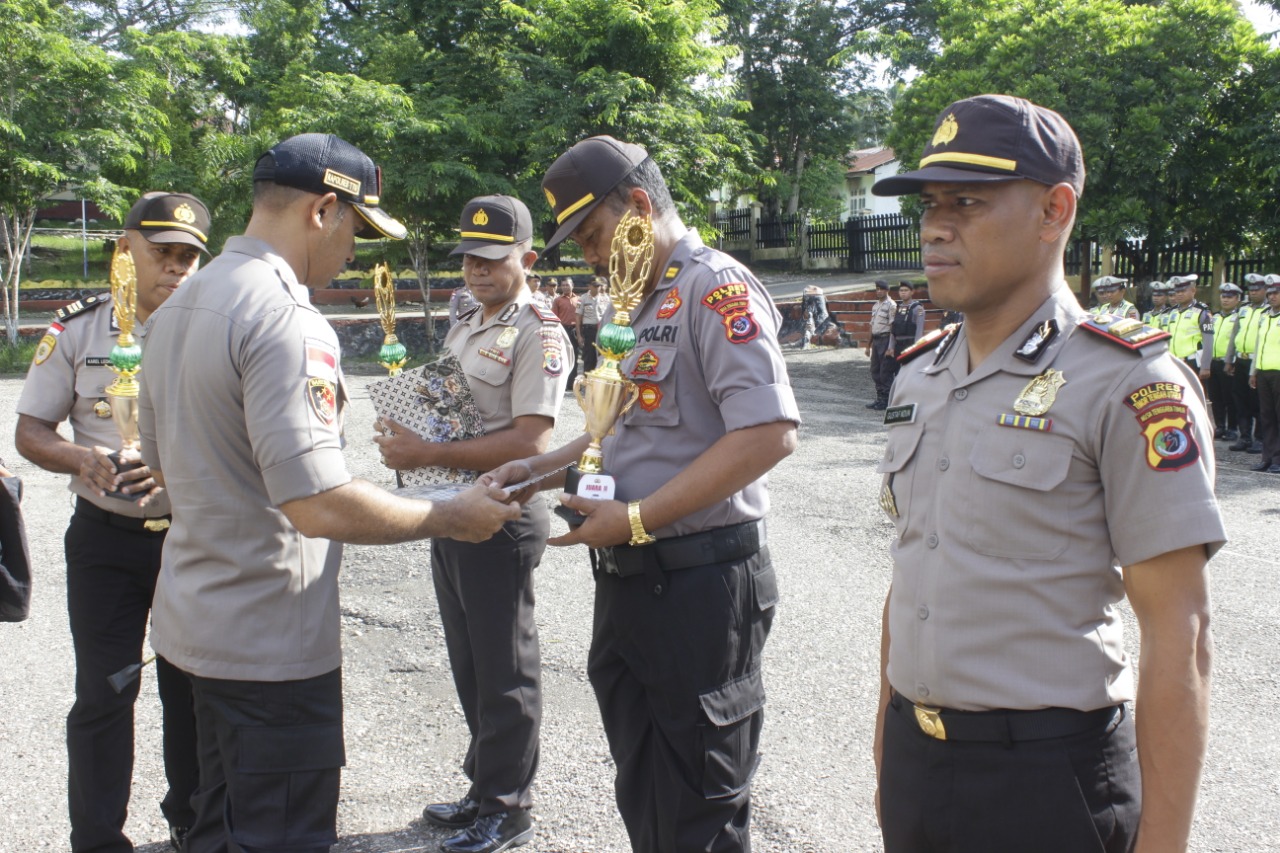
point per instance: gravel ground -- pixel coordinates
(405, 734)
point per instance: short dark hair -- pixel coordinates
(648, 177)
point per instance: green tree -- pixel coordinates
(70, 114)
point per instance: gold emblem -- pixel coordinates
(102, 409)
(946, 131)
(480, 218)
(551, 200)
(930, 722)
(45, 348)
(1039, 395)
(887, 503)
(155, 525)
(507, 338)
(184, 213)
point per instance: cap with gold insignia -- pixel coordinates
(994, 138)
(170, 218)
(322, 163)
(1230, 287)
(582, 176)
(491, 225)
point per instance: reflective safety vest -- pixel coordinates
(1224, 326)
(1124, 309)
(1184, 326)
(1250, 317)
(1268, 343)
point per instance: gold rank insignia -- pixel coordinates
(1039, 395)
(480, 218)
(102, 409)
(507, 338)
(551, 200)
(184, 213)
(946, 131)
(887, 502)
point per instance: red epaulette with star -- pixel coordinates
(926, 343)
(1130, 334)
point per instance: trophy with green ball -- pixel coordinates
(126, 361)
(392, 355)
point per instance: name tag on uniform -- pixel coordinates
(97, 360)
(896, 415)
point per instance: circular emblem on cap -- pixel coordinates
(946, 131)
(480, 217)
(551, 200)
(184, 213)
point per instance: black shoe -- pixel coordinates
(178, 835)
(1256, 447)
(1274, 469)
(1230, 435)
(1242, 444)
(453, 815)
(1219, 434)
(492, 833)
(1264, 467)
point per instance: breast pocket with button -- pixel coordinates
(487, 375)
(1015, 507)
(652, 368)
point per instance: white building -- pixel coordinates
(866, 166)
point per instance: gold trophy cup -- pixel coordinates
(605, 394)
(126, 361)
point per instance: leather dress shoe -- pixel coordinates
(1243, 444)
(453, 815)
(178, 835)
(492, 833)
(1274, 469)
(1264, 467)
(1256, 447)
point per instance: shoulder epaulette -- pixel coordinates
(926, 343)
(466, 315)
(544, 314)
(80, 306)
(1130, 334)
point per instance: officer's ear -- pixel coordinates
(123, 243)
(1058, 210)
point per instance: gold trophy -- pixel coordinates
(392, 356)
(605, 394)
(126, 361)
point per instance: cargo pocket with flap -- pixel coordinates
(733, 715)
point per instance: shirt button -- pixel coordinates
(962, 393)
(922, 690)
(1019, 460)
(944, 463)
(931, 540)
(923, 612)
(483, 371)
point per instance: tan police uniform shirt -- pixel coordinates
(592, 308)
(706, 362)
(68, 380)
(241, 412)
(1010, 538)
(882, 316)
(514, 362)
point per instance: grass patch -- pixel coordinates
(14, 360)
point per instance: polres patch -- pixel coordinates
(1170, 435)
(323, 399)
(732, 302)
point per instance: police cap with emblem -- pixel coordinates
(1178, 282)
(170, 218)
(994, 138)
(322, 163)
(491, 225)
(582, 176)
(1272, 281)
(1109, 282)
(1230, 287)
(1254, 281)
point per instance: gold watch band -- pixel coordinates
(638, 534)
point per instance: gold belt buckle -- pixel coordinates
(930, 722)
(155, 525)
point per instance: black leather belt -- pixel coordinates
(878, 335)
(722, 545)
(1002, 726)
(93, 512)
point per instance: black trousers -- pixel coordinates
(1246, 397)
(1269, 414)
(883, 366)
(589, 354)
(571, 356)
(271, 754)
(1222, 396)
(485, 593)
(676, 672)
(1078, 794)
(111, 577)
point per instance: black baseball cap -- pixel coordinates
(322, 163)
(170, 218)
(994, 138)
(491, 225)
(582, 176)
(881, 284)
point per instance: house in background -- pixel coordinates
(866, 166)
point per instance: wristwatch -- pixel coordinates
(638, 534)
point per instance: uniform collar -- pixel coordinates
(1061, 307)
(263, 251)
(505, 316)
(686, 247)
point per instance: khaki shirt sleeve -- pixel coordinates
(50, 389)
(1156, 463)
(293, 429)
(741, 361)
(540, 371)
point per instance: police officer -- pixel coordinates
(1190, 326)
(1021, 449)
(908, 320)
(591, 307)
(685, 589)
(1265, 377)
(114, 540)
(249, 434)
(513, 353)
(883, 364)
(1240, 361)
(1110, 292)
(1221, 390)
(1159, 304)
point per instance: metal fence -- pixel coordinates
(889, 241)
(827, 239)
(778, 233)
(735, 225)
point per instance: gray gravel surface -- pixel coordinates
(405, 734)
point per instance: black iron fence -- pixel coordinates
(778, 233)
(735, 225)
(827, 239)
(889, 241)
